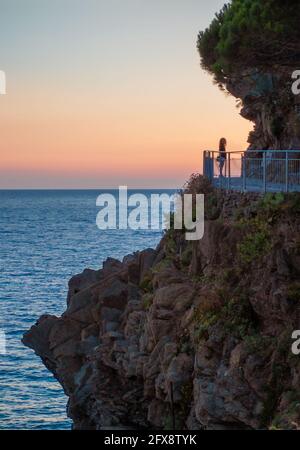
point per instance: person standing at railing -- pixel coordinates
(222, 155)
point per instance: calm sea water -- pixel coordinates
(45, 238)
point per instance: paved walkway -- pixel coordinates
(252, 185)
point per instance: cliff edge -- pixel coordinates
(195, 335)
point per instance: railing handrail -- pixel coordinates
(265, 170)
(253, 151)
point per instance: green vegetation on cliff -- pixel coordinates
(247, 295)
(251, 33)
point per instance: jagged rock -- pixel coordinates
(216, 333)
(82, 281)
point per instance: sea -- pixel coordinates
(46, 237)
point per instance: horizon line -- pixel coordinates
(90, 189)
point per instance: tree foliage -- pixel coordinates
(251, 33)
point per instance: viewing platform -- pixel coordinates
(254, 170)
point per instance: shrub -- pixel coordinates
(293, 294)
(256, 343)
(235, 317)
(198, 184)
(147, 301)
(186, 256)
(254, 246)
(146, 283)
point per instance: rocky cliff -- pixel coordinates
(192, 335)
(267, 100)
(252, 49)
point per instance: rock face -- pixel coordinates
(199, 333)
(268, 101)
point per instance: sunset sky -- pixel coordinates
(102, 93)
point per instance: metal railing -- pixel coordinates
(254, 170)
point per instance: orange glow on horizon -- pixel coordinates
(63, 138)
(143, 110)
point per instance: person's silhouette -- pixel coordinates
(222, 154)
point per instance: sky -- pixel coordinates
(104, 93)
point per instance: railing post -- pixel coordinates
(229, 171)
(244, 172)
(207, 165)
(265, 172)
(286, 172)
(204, 164)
